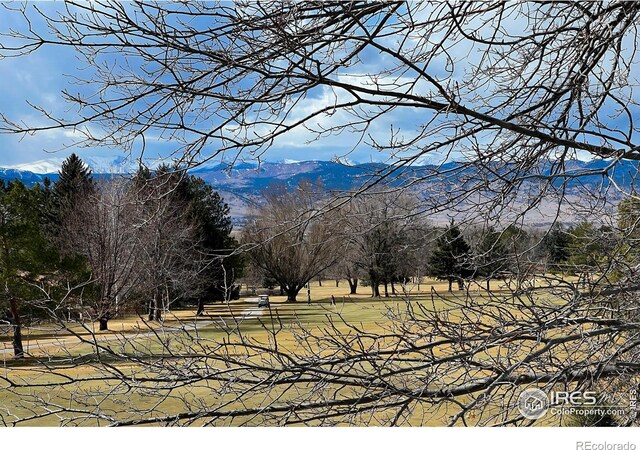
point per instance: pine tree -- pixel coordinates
(629, 227)
(587, 249)
(450, 259)
(74, 182)
(492, 256)
(629, 215)
(24, 253)
(212, 214)
(59, 202)
(556, 246)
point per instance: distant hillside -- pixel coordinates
(27, 177)
(244, 185)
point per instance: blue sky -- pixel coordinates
(40, 77)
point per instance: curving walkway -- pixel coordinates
(6, 349)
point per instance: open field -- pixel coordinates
(63, 351)
(360, 307)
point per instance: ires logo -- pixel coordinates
(534, 403)
(560, 398)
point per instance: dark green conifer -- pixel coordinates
(450, 259)
(75, 181)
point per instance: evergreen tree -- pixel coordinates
(629, 227)
(587, 249)
(142, 176)
(629, 215)
(555, 245)
(450, 259)
(74, 182)
(24, 253)
(211, 214)
(492, 256)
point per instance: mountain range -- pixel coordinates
(244, 184)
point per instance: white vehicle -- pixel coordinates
(263, 301)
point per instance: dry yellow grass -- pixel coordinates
(359, 309)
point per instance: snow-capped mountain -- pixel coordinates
(45, 166)
(27, 177)
(98, 165)
(244, 184)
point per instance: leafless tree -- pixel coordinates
(501, 96)
(140, 245)
(290, 239)
(379, 230)
(102, 229)
(170, 258)
(346, 268)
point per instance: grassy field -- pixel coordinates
(220, 322)
(360, 308)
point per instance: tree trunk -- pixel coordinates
(393, 288)
(18, 349)
(320, 282)
(450, 285)
(167, 305)
(291, 296)
(386, 288)
(200, 310)
(158, 314)
(337, 283)
(282, 292)
(461, 285)
(488, 284)
(152, 306)
(103, 323)
(375, 288)
(353, 285)
(162, 305)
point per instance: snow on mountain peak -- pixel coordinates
(44, 166)
(98, 164)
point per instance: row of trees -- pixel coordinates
(381, 239)
(295, 237)
(90, 248)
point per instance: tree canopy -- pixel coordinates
(25, 254)
(451, 257)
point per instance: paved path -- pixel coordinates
(6, 348)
